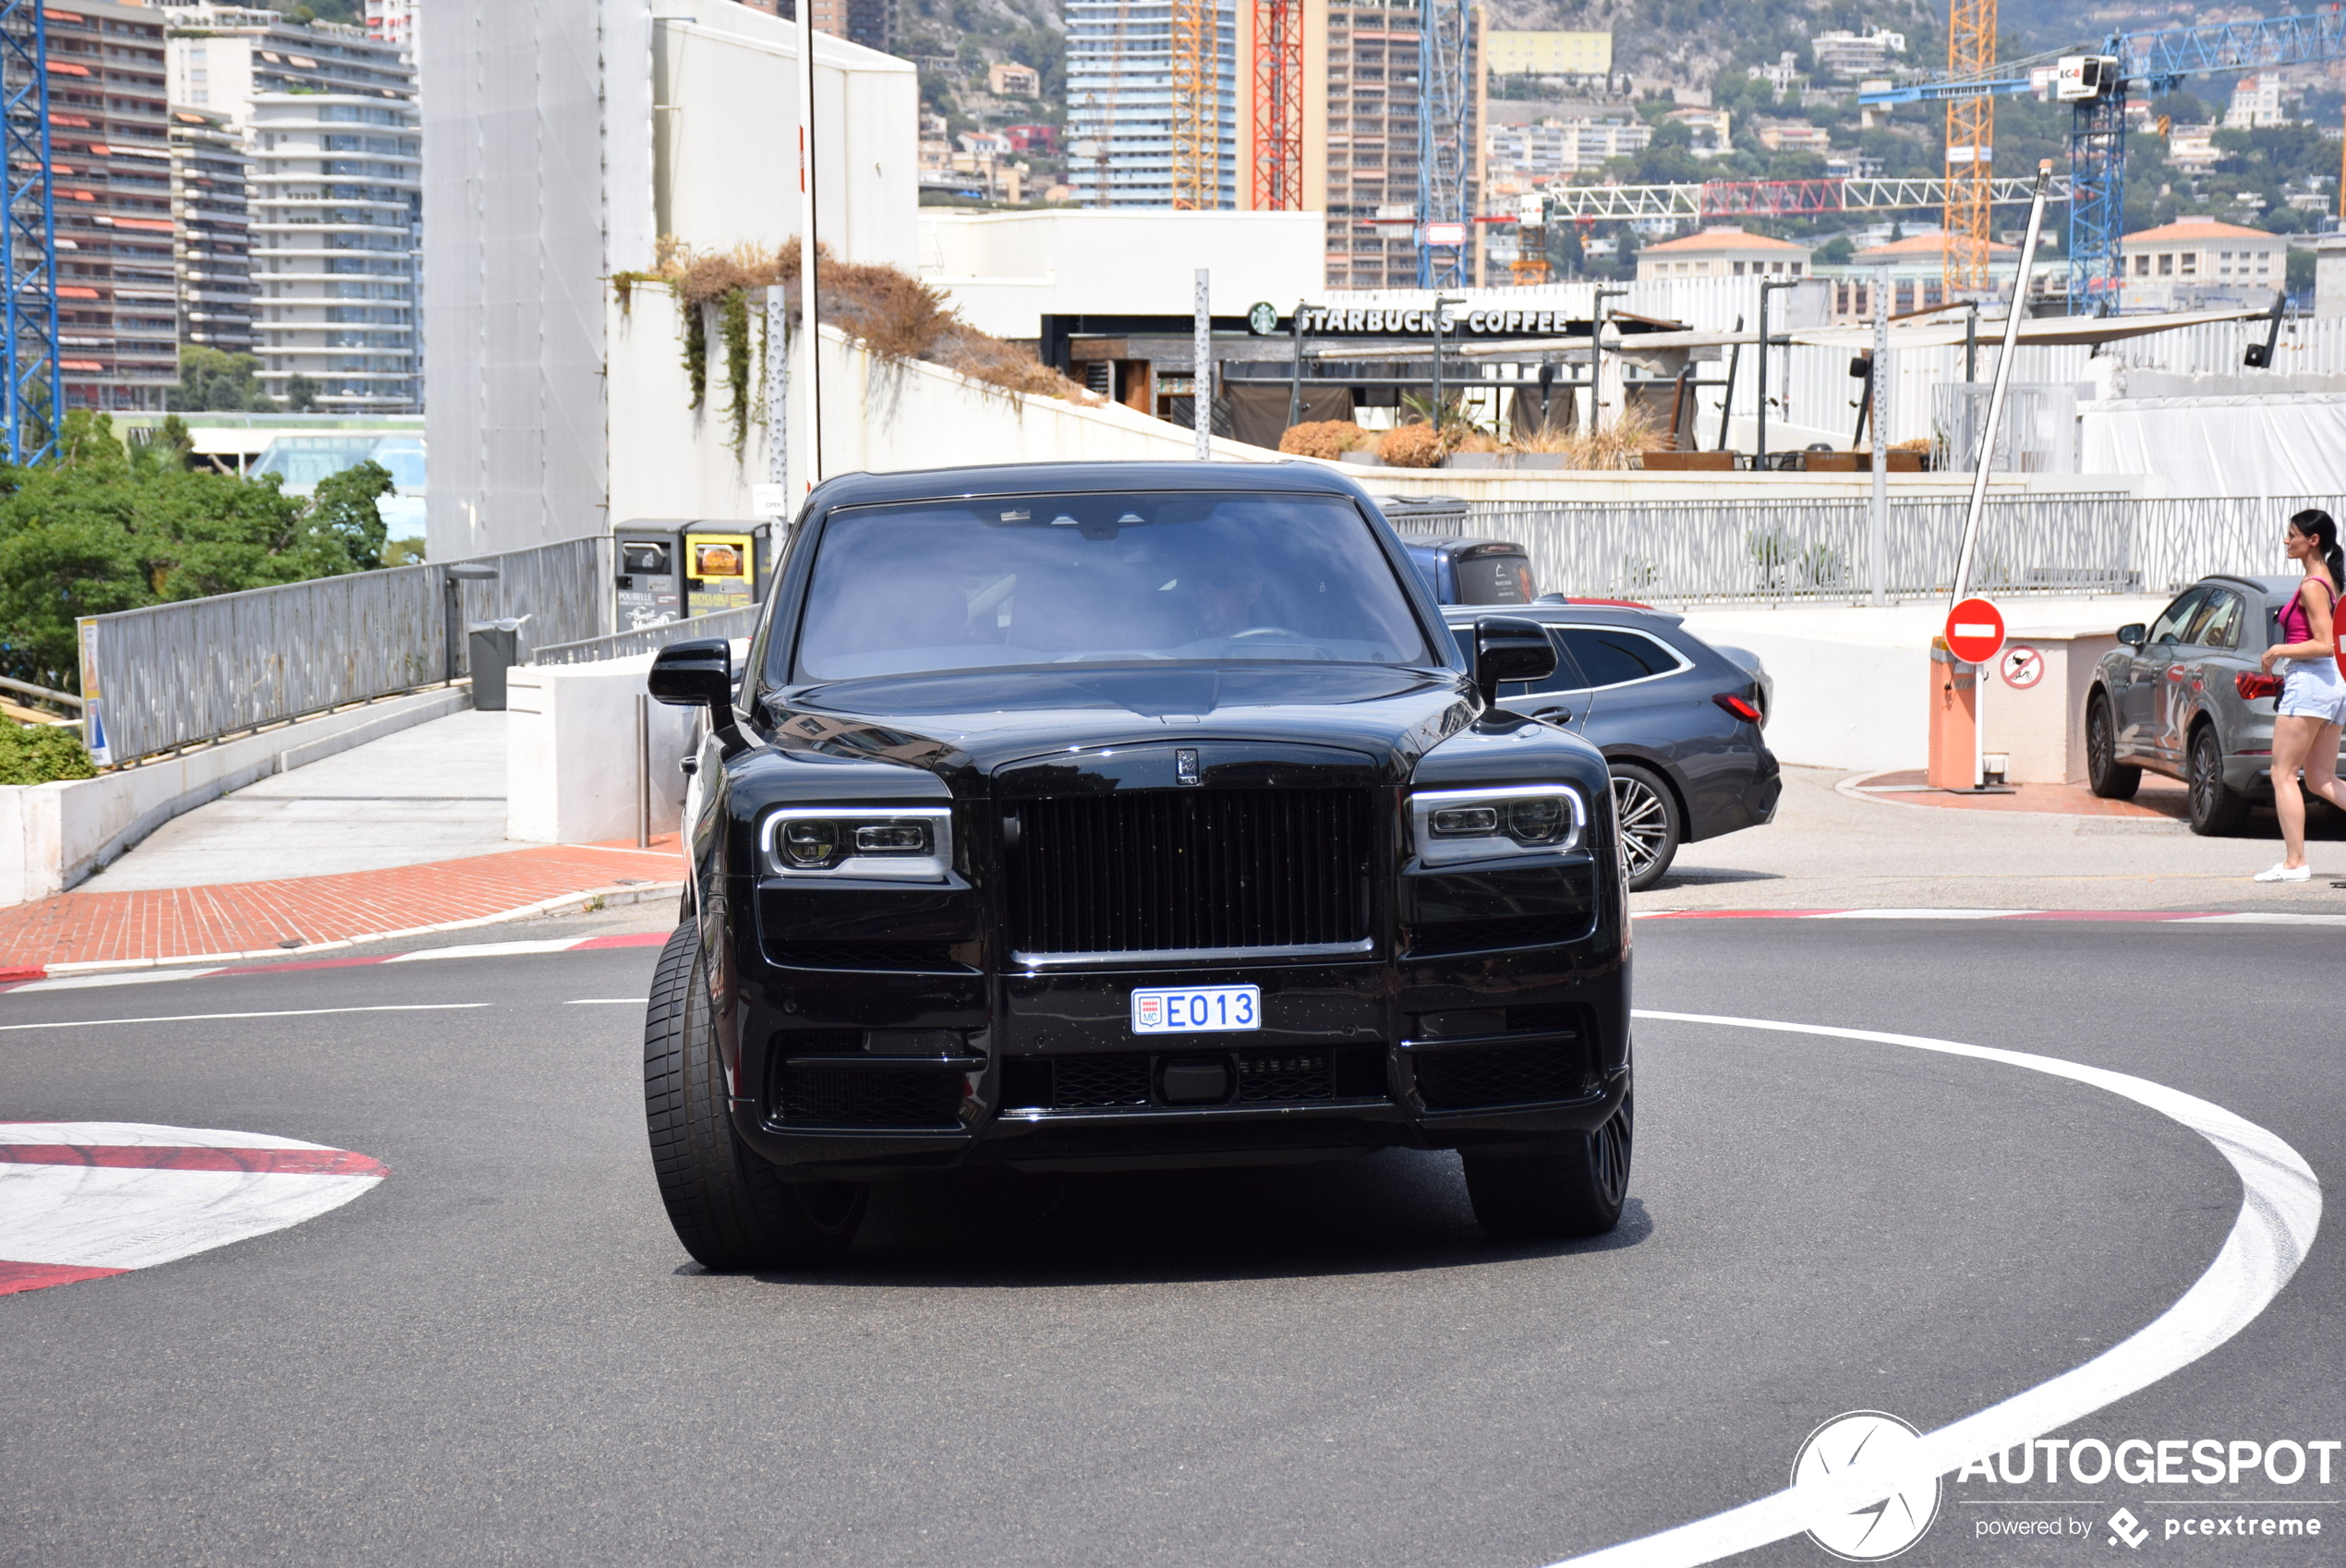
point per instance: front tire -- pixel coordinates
(2104, 775)
(1573, 1188)
(2217, 809)
(1645, 813)
(730, 1209)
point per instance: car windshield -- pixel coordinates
(940, 586)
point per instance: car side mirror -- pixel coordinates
(697, 674)
(1511, 650)
(2133, 633)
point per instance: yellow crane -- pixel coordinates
(1197, 142)
(1971, 141)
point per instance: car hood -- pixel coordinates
(963, 727)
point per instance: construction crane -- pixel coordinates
(1196, 74)
(1765, 198)
(1278, 106)
(32, 402)
(1971, 140)
(1446, 36)
(2098, 87)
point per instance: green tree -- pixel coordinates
(301, 394)
(103, 530)
(344, 510)
(211, 382)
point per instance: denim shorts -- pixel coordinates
(2312, 688)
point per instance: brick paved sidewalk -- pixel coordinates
(309, 911)
(2157, 798)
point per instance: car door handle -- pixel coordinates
(1554, 715)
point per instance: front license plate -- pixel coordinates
(1201, 1009)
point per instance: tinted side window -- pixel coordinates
(2220, 628)
(2172, 621)
(1609, 657)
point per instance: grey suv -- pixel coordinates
(2169, 700)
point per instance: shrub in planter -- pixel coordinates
(1329, 439)
(1410, 446)
(40, 754)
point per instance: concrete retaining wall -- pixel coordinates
(571, 758)
(53, 836)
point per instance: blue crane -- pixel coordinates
(32, 385)
(2097, 85)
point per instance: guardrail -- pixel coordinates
(726, 623)
(1815, 551)
(172, 675)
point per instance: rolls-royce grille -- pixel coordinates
(1189, 870)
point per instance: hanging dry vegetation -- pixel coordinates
(898, 318)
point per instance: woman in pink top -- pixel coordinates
(2313, 695)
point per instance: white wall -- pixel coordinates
(542, 176)
(668, 460)
(1004, 269)
(572, 767)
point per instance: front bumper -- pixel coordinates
(859, 1075)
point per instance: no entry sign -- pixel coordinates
(1974, 631)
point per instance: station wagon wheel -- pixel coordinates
(2104, 775)
(1647, 815)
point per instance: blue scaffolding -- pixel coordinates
(1445, 150)
(33, 395)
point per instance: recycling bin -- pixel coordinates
(494, 647)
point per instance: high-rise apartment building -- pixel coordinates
(117, 306)
(393, 21)
(337, 237)
(1361, 139)
(210, 181)
(1120, 103)
(327, 115)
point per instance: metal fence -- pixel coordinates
(1815, 551)
(175, 674)
(726, 623)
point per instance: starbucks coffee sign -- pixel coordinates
(1405, 321)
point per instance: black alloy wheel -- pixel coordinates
(730, 1209)
(2104, 775)
(1575, 1186)
(1646, 814)
(2217, 809)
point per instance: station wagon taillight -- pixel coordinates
(1736, 705)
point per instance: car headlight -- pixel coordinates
(901, 844)
(1451, 826)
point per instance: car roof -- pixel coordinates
(2277, 589)
(1455, 541)
(1066, 478)
(1607, 613)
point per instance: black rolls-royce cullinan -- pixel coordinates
(1097, 816)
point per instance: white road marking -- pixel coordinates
(487, 950)
(2280, 1208)
(110, 1214)
(83, 982)
(286, 1013)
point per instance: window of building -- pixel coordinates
(2191, 262)
(2142, 266)
(2167, 264)
(1738, 268)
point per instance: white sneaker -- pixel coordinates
(2281, 872)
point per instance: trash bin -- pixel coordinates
(495, 648)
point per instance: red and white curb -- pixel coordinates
(2169, 917)
(77, 977)
(586, 900)
(82, 1200)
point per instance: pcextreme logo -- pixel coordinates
(1879, 1530)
